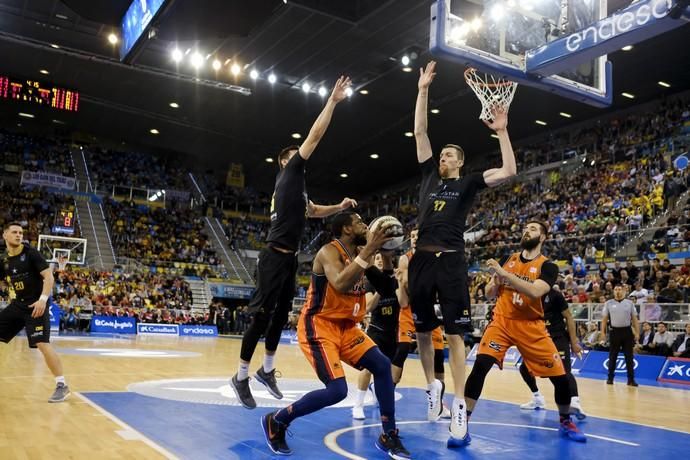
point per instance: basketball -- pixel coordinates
(393, 228)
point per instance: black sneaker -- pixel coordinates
(609, 381)
(269, 380)
(243, 392)
(61, 393)
(633, 383)
(390, 443)
(274, 431)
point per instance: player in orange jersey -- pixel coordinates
(521, 281)
(328, 333)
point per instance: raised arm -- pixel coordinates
(320, 210)
(495, 177)
(426, 76)
(324, 119)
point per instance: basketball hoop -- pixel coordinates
(492, 92)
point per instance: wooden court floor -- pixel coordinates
(31, 428)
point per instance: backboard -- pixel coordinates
(52, 247)
(494, 36)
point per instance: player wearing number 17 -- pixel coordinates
(521, 281)
(438, 268)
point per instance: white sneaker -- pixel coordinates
(458, 423)
(433, 397)
(371, 398)
(358, 413)
(536, 403)
(576, 410)
(445, 413)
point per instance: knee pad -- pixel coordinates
(438, 362)
(401, 354)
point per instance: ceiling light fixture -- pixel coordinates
(217, 65)
(296, 136)
(174, 105)
(272, 78)
(154, 131)
(628, 95)
(113, 39)
(254, 74)
(235, 69)
(565, 115)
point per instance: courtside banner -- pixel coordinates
(646, 367)
(676, 370)
(158, 329)
(55, 312)
(113, 325)
(199, 331)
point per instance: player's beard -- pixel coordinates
(443, 171)
(529, 243)
(360, 240)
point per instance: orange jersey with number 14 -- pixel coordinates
(511, 303)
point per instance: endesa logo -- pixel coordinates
(635, 16)
(197, 330)
(620, 364)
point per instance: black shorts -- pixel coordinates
(563, 346)
(275, 282)
(16, 317)
(442, 275)
(386, 341)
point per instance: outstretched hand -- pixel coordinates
(340, 89)
(499, 119)
(426, 75)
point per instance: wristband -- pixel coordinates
(44, 297)
(361, 262)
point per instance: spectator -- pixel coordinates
(593, 336)
(681, 346)
(646, 339)
(670, 294)
(663, 340)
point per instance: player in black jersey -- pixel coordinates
(438, 267)
(30, 281)
(382, 303)
(277, 264)
(557, 316)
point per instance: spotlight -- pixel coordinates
(177, 55)
(405, 60)
(112, 39)
(348, 92)
(254, 74)
(343, 175)
(235, 69)
(272, 78)
(322, 91)
(217, 64)
(306, 87)
(497, 12)
(154, 131)
(476, 24)
(197, 60)
(296, 135)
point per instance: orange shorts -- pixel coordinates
(326, 343)
(531, 339)
(437, 339)
(405, 325)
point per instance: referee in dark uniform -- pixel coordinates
(438, 268)
(30, 281)
(621, 313)
(561, 326)
(271, 302)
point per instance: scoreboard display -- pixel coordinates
(64, 222)
(33, 92)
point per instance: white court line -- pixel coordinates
(129, 429)
(331, 439)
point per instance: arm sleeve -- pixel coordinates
(560, 301)
(382, 281)
(37, 260)
(477, 181)
(549, 273)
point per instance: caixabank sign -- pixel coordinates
(158, 329)
(676, 370)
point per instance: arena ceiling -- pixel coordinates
(310, 41)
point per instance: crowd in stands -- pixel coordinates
(155, 235)
(35, 153)
(134, 169)
(34, 208)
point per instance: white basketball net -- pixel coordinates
(492, 92)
